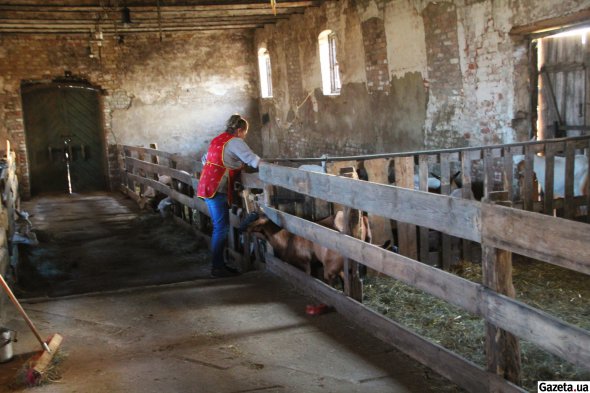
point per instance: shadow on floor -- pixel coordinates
(96, 242)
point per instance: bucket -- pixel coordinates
(6, 339)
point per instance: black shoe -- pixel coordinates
(223, 272)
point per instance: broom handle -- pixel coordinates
(23, 313)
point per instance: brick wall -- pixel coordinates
(375, 44)
(177, 93)
(440, 25)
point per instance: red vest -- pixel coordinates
(214, 169)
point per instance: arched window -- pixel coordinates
(265, 73)
(329, 65)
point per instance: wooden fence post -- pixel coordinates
(424, 231)
(380, 226)
(353, 285)
(502, 347)
(155, 159)
(404, 175)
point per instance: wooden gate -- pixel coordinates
(64, 136)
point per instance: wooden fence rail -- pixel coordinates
(495, 227)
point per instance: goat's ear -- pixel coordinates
(339, 221)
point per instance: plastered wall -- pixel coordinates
(415, 74)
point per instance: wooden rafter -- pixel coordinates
(24, 16)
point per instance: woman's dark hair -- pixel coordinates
(235, 123)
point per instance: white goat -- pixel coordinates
(580, 173)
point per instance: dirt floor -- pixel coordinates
(96, 242)
(126, 330)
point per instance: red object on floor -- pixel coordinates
(316, 309)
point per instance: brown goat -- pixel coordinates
(302, 252)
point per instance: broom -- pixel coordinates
(40, 362)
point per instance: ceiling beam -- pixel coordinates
(85, 16)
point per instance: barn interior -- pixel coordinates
(95, 94)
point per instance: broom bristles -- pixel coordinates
(32, 373)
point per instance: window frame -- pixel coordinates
(265, 73)
(329, 67)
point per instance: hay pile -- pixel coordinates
(559, 292)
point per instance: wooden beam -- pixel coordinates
(182, 176)
(457, 217)
(526, 233)
(552, 23)
(165, 8)
(502, 348)
(377, 170)
(406, 230)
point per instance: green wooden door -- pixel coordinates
(64, 138)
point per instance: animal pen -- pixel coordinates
(510, 218)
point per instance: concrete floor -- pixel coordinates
(241, 334)
(141, 332)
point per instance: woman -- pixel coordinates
(227, 154)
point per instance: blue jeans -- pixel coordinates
(219, 211)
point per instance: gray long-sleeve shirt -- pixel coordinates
(237, 152)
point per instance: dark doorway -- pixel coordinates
(65, 142)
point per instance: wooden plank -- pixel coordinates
(560, 338)
(567, 341)
(526, 233)
(164, 8)
(251, 180)
(528, 191)
(459, 370)
(457, 217)
(423, 185)
(162, 154)
(551, 24)
(352, 221)
(176, 174)
(406, 230)
(502, 348)
(549, 181)
(155, 158)
(334, 168)
(133, 195)
(488, 171)
(381, 231)
(445, 189)
(508, 175)
(466, 193)
(570, 209)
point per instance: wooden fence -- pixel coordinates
(499, 229)
(485, 170)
